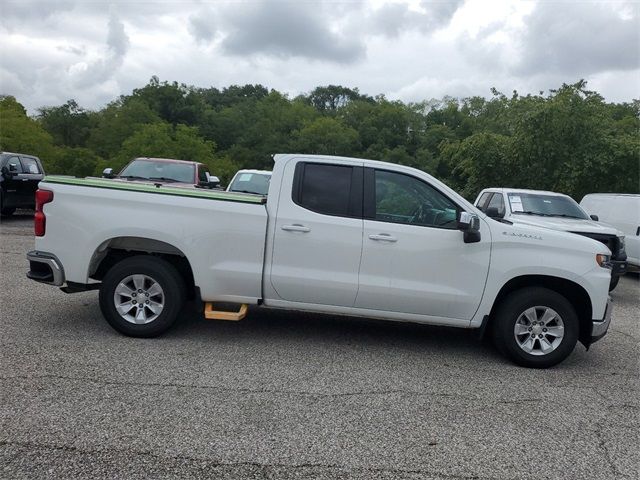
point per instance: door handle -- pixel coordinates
(383, 237)
(296, 228)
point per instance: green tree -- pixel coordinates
(77, 161)
(162, 140)
(68, 124)
(480, 161)
(328, 136)
(19, 133)
(174, 103)
(118, 121)
(330, 98)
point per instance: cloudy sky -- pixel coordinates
(412, 50)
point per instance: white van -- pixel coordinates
(623, 212)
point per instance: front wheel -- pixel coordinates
(142, 296)
(614, 283)
(536, 327)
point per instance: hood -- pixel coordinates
(565, 224)
(536, 237)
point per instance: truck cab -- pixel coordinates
(20, 175)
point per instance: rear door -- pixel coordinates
(318, 233)
(30, 178)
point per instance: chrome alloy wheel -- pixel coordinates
(139, 299)
(539, 330)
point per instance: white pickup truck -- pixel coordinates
(334, 235)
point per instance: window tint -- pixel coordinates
(14, 165)
(401, 198)
(29, 165)
(482, 201)
(497, 201)
(325, 188)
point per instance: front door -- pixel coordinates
(318, 233)
(414, 259)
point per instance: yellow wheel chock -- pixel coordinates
(211, 314)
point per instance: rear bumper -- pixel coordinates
(45, 268)
(599, 327)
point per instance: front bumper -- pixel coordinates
(599, 327)
(618, 268)
(45, 268)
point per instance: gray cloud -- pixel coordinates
(19, 10)
(104, 68)
(202, 26)
(287, 30)
(55, 50)
(76, 50)
(393, 19)
(579, 39)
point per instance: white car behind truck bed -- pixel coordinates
(336, 235)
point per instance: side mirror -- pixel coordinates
(469, 223)
(211, 182)
(594, 218)
(108, 173)
(493, 212)
(6, 172)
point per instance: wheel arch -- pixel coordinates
(572, 291)
(116, 249)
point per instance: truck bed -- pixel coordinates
(221, 234)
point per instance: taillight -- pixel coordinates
(40, 221)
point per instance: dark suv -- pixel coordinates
(19, 178)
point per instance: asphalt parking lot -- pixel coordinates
(286, 395)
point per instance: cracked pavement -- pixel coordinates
(289, 395)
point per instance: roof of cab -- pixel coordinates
(166, 160)
(522, 190)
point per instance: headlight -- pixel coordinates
(621, 244)
(603, 260)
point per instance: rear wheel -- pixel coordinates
(142, 296)
(536, 327)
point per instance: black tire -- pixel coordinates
(510, 310)
(614, 283)
(163, 273)
(9, 211)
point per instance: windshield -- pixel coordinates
(157, 170)
(251, 183)
(545, 205)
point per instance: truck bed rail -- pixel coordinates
(158, 188)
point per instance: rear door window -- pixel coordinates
(30, 165)
(328, 189)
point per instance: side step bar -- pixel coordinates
(211, 314)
